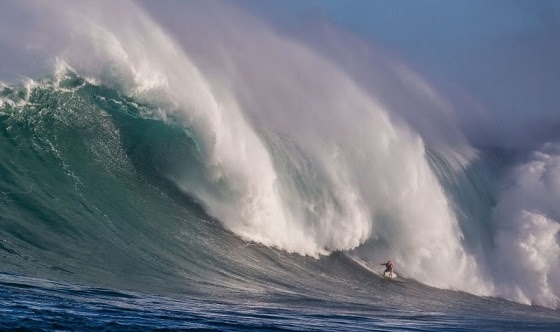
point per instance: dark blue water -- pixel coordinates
(36, 304)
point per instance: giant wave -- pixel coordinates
(136, 165)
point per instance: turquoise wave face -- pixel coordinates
(87, 195)
(83, 192)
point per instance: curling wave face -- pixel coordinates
(134, 158)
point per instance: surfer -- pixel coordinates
(388, 268)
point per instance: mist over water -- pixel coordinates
(302, 150)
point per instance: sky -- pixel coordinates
(424, 29)
(496, 59)
(501, 58)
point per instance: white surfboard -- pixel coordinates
(393, 278)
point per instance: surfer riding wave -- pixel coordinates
(388, 268)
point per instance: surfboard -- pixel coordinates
(389, 275)
(393, 278)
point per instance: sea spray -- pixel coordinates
(526, 262)
(374, 167)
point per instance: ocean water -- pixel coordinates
(95, 236)
(140, 192)
(36, 304)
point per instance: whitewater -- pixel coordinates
(236, 176)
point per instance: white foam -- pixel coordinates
(378, 183)
(240, 183)
(526, 261)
